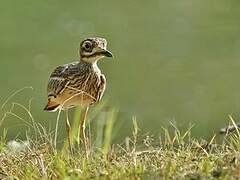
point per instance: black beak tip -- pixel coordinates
(108, 53)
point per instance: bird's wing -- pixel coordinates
(60, 78)
(101, 87)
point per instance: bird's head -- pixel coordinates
(93, 49)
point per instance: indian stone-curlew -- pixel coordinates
(79, 83)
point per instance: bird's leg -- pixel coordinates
(68, 128)
(82, 136)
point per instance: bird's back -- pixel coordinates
(78, 83)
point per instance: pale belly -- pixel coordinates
(81, 99)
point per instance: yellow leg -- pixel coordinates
(82, 136)
(68, 128)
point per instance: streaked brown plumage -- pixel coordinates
(75, 84)
(79, 83)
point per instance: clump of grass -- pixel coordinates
(176, 155)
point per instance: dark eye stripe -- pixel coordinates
(91, 55)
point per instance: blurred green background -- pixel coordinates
(175, 61)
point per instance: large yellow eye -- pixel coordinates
(87, 46)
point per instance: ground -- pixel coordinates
(175, 155)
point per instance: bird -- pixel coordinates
(229, 129)
(80, 83)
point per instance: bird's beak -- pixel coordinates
(107, 53)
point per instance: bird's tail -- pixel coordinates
(51, 106)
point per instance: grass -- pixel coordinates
(175, 154)
(178, 155)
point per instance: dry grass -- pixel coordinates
(178, 156)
